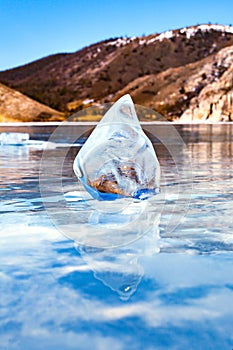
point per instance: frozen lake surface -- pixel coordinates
(165, 280)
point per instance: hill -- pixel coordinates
(181, 73)
(16, 107)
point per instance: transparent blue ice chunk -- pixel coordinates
(118, 160)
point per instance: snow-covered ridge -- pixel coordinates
(189, 31)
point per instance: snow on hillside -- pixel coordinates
(189, 31)
(120, 41)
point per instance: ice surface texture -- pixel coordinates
(118, 159)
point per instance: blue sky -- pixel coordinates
(31, 29)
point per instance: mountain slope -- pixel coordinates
(16, 107)
(197, 91)
(156, 69)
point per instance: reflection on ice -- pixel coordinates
(119, 268)
(110, 225)
(118, 159)
(112, 242)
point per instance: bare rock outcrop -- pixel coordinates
(215, 101)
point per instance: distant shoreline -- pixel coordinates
(157, 131)
(44, 124)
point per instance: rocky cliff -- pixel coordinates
(214, 102)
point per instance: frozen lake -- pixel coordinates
(165, 279)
